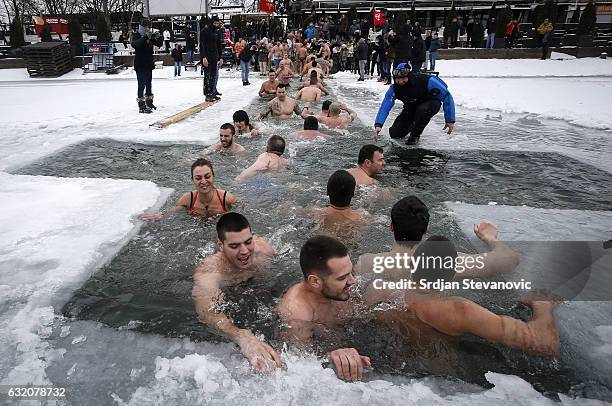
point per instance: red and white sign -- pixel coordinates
(266, 6)
(58, 25)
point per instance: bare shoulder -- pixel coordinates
(294, 306)
(184, 200)
(230, 199)
(263, 245)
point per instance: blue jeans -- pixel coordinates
(433, 55)
(244, 70)
(190, 56)
(432, 59)
(490, 40)
(177, 68)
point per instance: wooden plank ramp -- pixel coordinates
(163, 123)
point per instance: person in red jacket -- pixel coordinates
(512, 32)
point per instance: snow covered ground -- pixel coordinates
(55, 232)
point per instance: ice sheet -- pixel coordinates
(54, 233)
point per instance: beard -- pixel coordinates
(340, 296)
(227, 144)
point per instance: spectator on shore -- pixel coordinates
(491, 27)
(433, 51)
(477, 34)
(512, 32)
(417, 56)
(545, 30)
(177, 56)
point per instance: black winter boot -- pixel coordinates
(149, 99)
(142, 105)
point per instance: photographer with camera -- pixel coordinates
(143, 41)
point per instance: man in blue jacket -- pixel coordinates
(422, 95)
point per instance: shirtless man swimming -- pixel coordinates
(339, 215)
(241, 256)
(310, 93)
(337, 120)
(284, 73)
(227, 141)
(311, 129)
(371, 161)
(268, 88)
(308, 82)
(271, 160)
(301, 52)
(282, 106)
(324, 297)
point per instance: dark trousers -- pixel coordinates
(144, 81)
(545, 50)
(414, 118)
(210, 76)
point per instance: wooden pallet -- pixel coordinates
(182, 115)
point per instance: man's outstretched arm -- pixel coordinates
(206, 296)
(458, 316)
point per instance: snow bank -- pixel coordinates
(53, 234)
(44, 118)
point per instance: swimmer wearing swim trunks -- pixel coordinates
(227, 141)
(371, 161)
(241, 256)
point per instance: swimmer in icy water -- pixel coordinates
(325, 297)
(422, 96)
(311, 130)
(341, 190)
(282, 106)
(243, 124)
(271, 160)
(227, 141)
(336, 118)
(241, 256)
(205, 201)
(370, 162)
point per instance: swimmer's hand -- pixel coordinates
(349, 364)
(450, 127)
(487, 232)
(151, 216)
(261, 356)
(376, 133)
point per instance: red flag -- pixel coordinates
(379, 18)
(266, 6)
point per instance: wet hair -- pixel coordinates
(276, 144)
(410, 218)
(314, 74)
(314, 80)
(311, 123)
(231, 222)
(314, 63)
(317, 251)
(367, 152)
(241, 115)
(271, 71)
(334, 108)
(341, 188)
(325, 105)
(281, 86)
(202, 162)
(228, 126)
(438, 257)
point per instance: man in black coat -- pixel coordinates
(477, 34)
(143, 41)
(403, 45)
(418, 53)
(210, 52)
